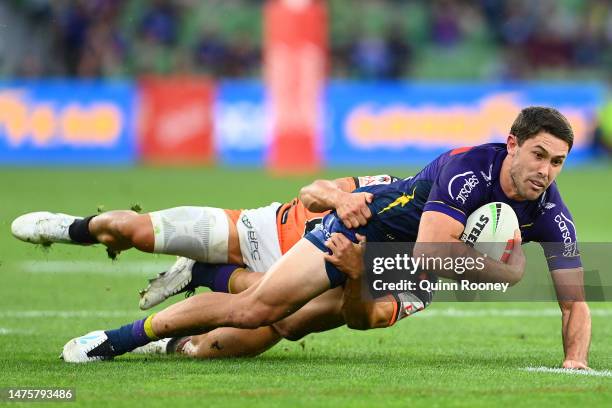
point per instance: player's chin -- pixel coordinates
(531, 195)
(532, 191)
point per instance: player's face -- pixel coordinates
(536, 163)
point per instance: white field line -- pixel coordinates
(593, 373)
(69, 314)
(4, 331)
(95, 267)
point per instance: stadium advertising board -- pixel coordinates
(405, 123)
(242, 129)
(176, 120)
(67, 122)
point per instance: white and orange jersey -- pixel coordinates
(268, 232)
(293, 219)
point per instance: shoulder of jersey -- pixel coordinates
(477, 161)
(364, 181)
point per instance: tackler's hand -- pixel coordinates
(346, 255)
(353, 210)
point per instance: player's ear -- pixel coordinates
(511, 144)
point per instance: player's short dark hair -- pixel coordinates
(535, 119)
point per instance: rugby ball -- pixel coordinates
(490, 230)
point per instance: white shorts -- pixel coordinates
(258, 237)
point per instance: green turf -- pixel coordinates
(437, 360)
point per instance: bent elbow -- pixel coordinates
(425, 249)
(357, 323)
(306, 196)
(370, 321)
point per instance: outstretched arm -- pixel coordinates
(576, 317)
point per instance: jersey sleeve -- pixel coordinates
(555, 230)
(458, 190)
(363, 181)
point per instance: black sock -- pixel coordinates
(79, 231)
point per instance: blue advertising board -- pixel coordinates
(241, 123)
(397, 123)
(67, 122)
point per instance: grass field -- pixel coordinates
(450, 355)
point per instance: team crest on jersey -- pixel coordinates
(401, 201)
(374, 180)
(487, 177)
(461, 185)
(546, 205)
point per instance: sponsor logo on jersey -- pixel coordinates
(325, 227)
(401, 201)
(311, 224)
(463, 183)
(570, 247)
(252, 239)
(374, 180)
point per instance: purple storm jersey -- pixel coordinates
(466, 179)
(457, 183)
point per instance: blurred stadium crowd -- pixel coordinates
(369, 39)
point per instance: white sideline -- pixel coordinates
(96, 267)
(593, 373)
(67, 314)
(4, 331)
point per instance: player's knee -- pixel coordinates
(252, 319)
(256, 314)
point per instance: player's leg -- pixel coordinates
(120, 230)
(297, 277)
(320, 314)
(230, 342)
(201, 233)
(253, 238)
(186, 275)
